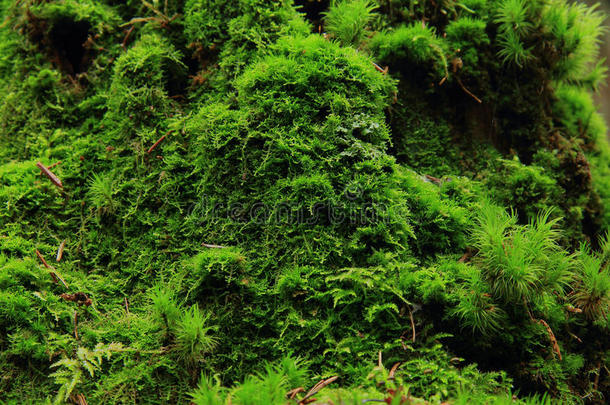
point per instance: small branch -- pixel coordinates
(54, 179)
(468, 91)
(60, 251)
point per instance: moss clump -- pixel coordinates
(393, 197)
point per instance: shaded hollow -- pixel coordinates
(67, 40)
(313, 10)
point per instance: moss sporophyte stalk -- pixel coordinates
(291, 202)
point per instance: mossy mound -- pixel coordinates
(227, 202)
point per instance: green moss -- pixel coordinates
(249, 207)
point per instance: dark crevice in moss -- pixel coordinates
(313, 10)
(67, 41)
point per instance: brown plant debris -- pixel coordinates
(79, 297)
(54, 179)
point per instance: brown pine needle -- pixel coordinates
(60, 279)
(54, 179)
(469, 92)
(81, 399)
(56, 277)
(76, 325)
(157, 143)
(124, 43)
(211, 246)
(54, 164)
(412, 324)
(44, 262)
(316, 388)
(60, 251)
(551, 337)
(293, 393)
(380, 69)
(393, 370)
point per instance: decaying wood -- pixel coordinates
(54, 179)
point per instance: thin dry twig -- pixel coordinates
(54, 164)
(380, 69)
(78, 399)
(56, 277)
(552, 338)
(478, 100)
(393, 370)
(293, 393)
(76, 325)
(46, 265)
(154, 10)
(211, 246)
(157, 143)
(54, 179)
(44, 262)
(124, 43)
(60, 251)
(596, 381)
(412, 324)
(316, 388)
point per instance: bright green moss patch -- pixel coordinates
(401, 201)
